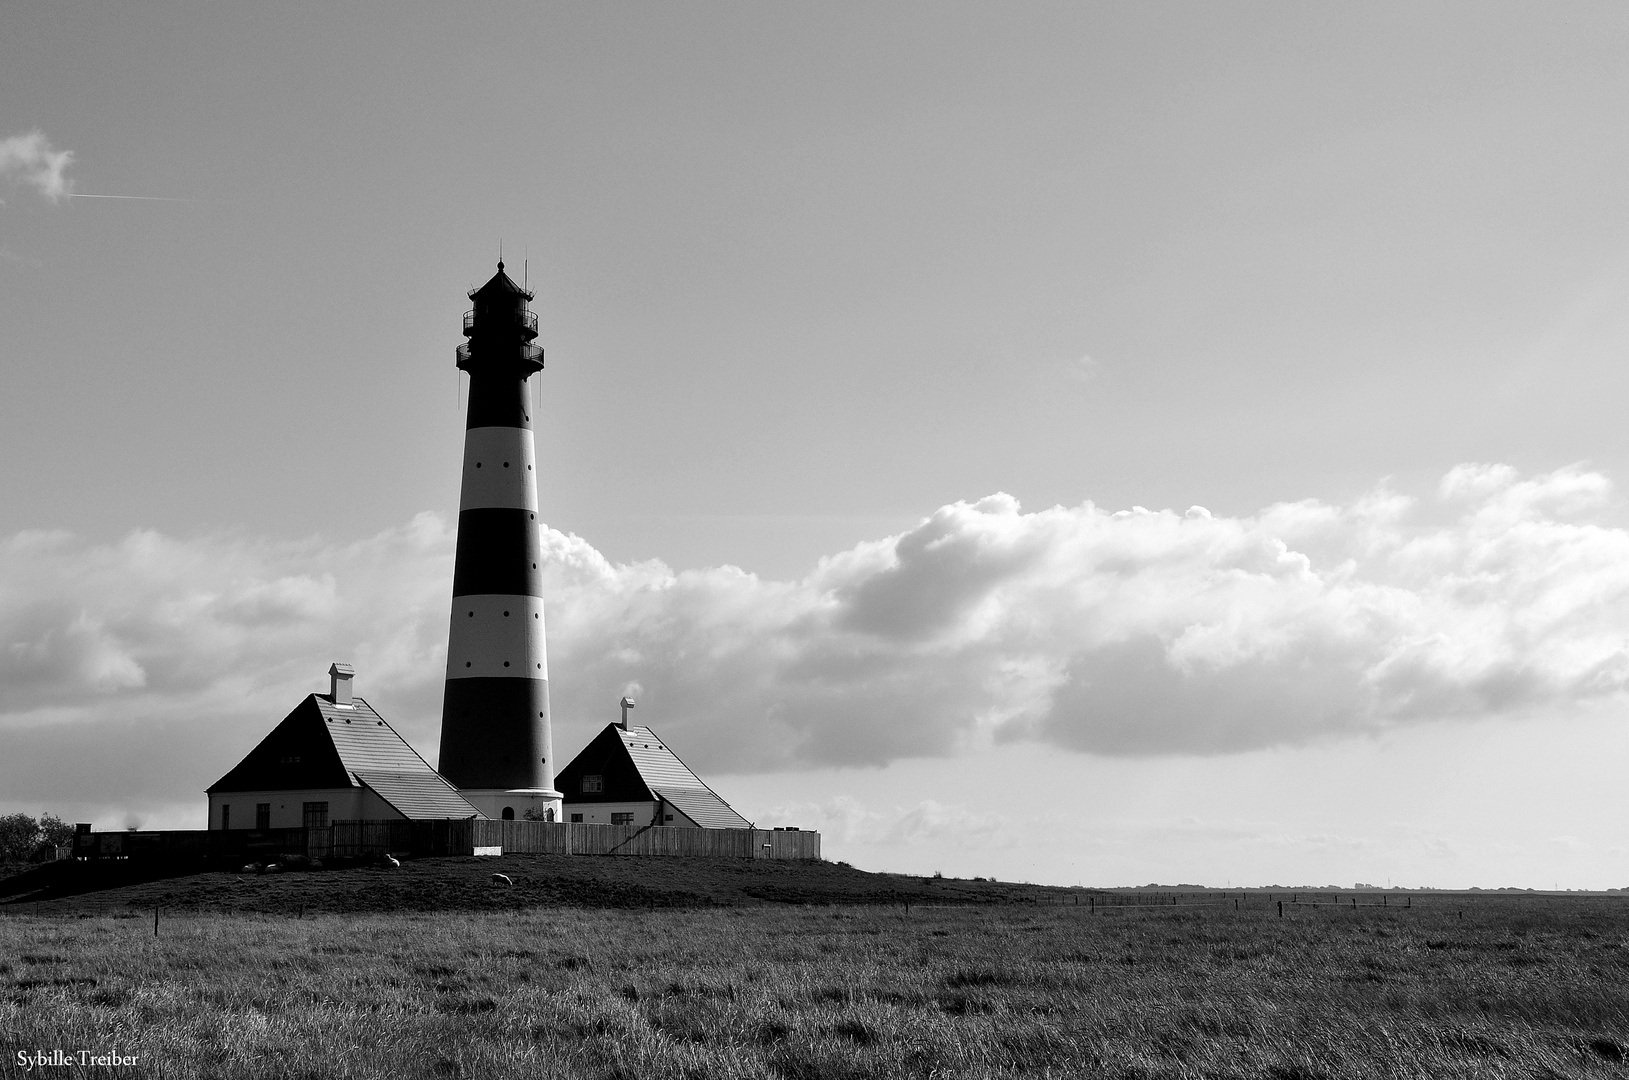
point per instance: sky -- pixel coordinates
(1078, 443)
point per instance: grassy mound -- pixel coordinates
(435, 884)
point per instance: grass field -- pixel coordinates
(1487, 986)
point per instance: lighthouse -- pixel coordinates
(496, 746)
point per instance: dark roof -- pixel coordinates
(323, 745)
(501, 283)
(606, 758)
(418, 796)
(297, 753)
(636, 766)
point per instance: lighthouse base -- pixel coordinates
(536, 804)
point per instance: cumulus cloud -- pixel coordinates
(1131, 632)
(213, 625)
(29, 159)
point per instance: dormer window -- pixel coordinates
(593, 783)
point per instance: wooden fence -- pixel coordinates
(351, 839)
(457, 836)
(576, 838)
(196, 843)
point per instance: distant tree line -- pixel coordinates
(24, 838)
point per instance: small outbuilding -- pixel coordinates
(628, 776)
(332, 759)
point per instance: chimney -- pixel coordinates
(339, 684)
(627, 703)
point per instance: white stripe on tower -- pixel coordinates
(500, 469)
(494, 636)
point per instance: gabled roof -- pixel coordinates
(323, 745)
(418, 796)
(703, 806)
(364, 741)
(636, 766)
(297, 753)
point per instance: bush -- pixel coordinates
(22, 838)
(19, 836)
(56, 832)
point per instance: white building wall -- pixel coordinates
(493, 801)
(643, 813)
(672, 815)
(374, 808)
(599, 813)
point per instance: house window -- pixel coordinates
(593, 783)
(315, 815)
(578, 818)
(622, 819)
(509, 813)
(226, 816)
(667, 817)
(262, 815)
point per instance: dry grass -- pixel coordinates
(1515, 988)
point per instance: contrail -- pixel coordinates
(143, 198)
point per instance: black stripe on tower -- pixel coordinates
(498, 400)
(492, 732)
(498, 552)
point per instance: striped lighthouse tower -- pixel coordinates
(496, 746)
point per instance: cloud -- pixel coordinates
(845, 820)
(1082, 369)
(217, 624)
(1135, 632)
(30, 159)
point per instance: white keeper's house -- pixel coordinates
(627, 776)
(332, 759)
